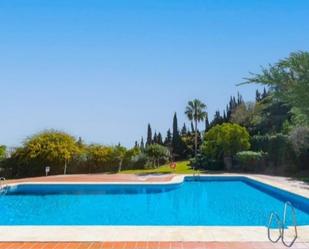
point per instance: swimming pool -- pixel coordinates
(202, 201)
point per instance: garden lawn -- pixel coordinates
(181, 168)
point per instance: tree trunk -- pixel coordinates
(65, 167)
(195, 138)
(120, 166)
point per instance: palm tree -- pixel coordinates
(195, 111)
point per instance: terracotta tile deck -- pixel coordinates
(97, 178)
(148, 245)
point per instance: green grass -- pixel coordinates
(181, 168)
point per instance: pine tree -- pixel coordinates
(149, 136)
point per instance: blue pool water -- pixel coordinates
(210, 201)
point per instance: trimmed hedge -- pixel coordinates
(202, 162)
(251, 160)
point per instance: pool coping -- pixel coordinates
(151, 233)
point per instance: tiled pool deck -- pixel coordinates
(144, 236)
(148, 245)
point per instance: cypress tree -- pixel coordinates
(257, 96)
(142, 145)
(264, 95)
(177, 143)
(155, 138)
(184, 130)
(175, 126)
(159, 139)
(149, 136)
(206, 123)
(136, 144)
(168, 139)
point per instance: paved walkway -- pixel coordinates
(151, 245)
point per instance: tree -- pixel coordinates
(142, 146)
(2, 152)
(149, 136)
(155, 138)
(136, 145)
(184, 130)
(243, 114)
(299, 138)
(207, 125)
(159, 139)
(99, 158)
(52, 147)
(175, 138)
(225, 141)
(288, 80)
(192, 127)
(195, 111)
(119, 153)
(178, 146)
(157, 154)
(168, 139)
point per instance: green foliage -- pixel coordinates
(149, 135)
(251, 160)
(200, 161)
(299, 138)
(109, 159)
(2, 152)
(157, 154)
(277, 146)
(195, 111)
(99, 158)
(48, 148)
(225, 140)
(243, 114)
(177, 145)
(138, 161)
(289, 80)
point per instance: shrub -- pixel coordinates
(157, 154)
(138, 162)
(250, 160)
(278, 147)
(202, 162)
(299, 138)
(225, 140)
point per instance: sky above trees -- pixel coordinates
(103, 70)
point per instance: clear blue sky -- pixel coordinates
(103, 69)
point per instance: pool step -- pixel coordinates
(282, 224)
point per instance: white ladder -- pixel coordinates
(281, 225)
